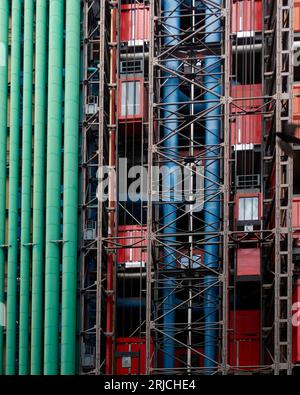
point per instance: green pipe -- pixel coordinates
(13, 197)
(4, 18)
(38, 222)
(53, 187)
(70, 205)
(25, 252)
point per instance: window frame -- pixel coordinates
(248, 196)
(139, 115)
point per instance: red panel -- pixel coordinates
(297, 15)
(244, 353)
(248, 262)
(296, 323)
(244, 344)
(133, 237)
(134, 24)
(246, 16)
(246, 97)
(296, 212)
(296, 217)
(131, 355)
(296, 109)
(245, 323)
(246, 129)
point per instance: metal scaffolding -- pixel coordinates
(181, 300)
(94, 213)
(278, 90)
(179, 281)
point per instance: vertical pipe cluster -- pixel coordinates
(13, 196)
(38, 221)
(70, 205)
(53, 186)
(25, 248)
(41, 231)
(4, 18)
(171, 94)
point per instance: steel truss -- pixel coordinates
(186, 285)
(278, 276)
(94, 214)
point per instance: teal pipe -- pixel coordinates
(4, 18)
(53, 186)
(25, 252)
(70, 205)
(38, 221)
(13, 197)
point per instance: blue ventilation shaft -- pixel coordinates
(171, 94)
(212, 81)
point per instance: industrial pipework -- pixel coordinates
(70, 182)
(4, 18)
(54, 185)
(172, 94)
(39, 182)
(25, 248)
(171, 11)
(13, 185)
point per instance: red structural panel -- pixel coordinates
(133, 238)
(296, 322)
(247, 16)
(245, 323)
(248, 262)
(296, 212)
(244, 340)
(246, 98)
(296, 109)
(244, 353)
(131, 355)
(297, 15)
(296, 218)
(134, 24)
(246, 129)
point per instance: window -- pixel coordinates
(248, 208)
(130, 98)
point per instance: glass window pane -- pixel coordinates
(248, 209)
(255, 209)
(241, 209)
(130, 98)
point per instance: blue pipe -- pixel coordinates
(198, 107)
(213, 23)
(212, 66)
(131, 303)
(170, 95)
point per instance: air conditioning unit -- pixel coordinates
(92, 105)
(90, 230)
